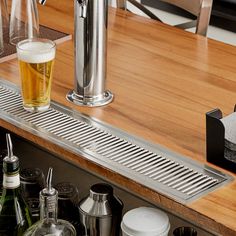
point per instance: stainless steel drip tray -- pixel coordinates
(149, 164)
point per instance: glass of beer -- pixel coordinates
(36, 59)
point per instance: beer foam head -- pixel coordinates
(36, 51)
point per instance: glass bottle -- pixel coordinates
(48, 223)
(15, 217)
(3, 153)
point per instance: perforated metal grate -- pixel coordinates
(148, 164)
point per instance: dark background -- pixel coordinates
(223, 12)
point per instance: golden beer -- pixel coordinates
(36, 60)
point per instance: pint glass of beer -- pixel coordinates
(36, 60)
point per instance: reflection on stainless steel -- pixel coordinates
(101, 211)
(90, 53)
(148, 164)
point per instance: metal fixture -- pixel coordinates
(101, 211)
(90, 53)
(201, 9)
(149, 164)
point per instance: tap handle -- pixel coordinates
(82, 8)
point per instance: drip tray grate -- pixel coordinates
(149, 164)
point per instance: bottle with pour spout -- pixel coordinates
(15, 216)
(48, 223)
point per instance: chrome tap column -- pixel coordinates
(90, 51)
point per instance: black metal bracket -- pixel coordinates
(215, 140)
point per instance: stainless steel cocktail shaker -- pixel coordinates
(101, 211)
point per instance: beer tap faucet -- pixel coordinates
(90, 53)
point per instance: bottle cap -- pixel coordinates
(49, 195)
(49, 191)
(10, 162)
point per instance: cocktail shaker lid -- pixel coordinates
(99, 202)
(101, 192)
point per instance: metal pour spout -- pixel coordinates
(10, 162)
(9, 147)
(90, 53)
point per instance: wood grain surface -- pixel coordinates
(164, 80)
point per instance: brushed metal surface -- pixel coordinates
(149, 164)
(90, 49)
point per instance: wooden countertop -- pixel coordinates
(164, 81)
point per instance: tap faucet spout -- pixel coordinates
(90, 53)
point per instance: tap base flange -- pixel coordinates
(95, 101)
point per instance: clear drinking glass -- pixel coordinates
(4, 23)
(32, 181)
(36, 61)
(185, 231)
(68, 199)
(24, 20)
